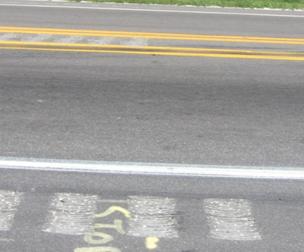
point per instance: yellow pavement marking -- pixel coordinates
(145, 48)
(151, 242)
(155, 36)
(154, 50)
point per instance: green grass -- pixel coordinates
(283, 4)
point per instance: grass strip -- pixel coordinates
(281, 4)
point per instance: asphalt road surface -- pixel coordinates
(150, 84)
(62, 212)
(126, 107)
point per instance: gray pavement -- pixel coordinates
(55, 212)
(151, 109)
(155, 21)
(114, 107)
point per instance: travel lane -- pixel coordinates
(89, 212)
(151, 109)
(99, 41)
(131, 19)
(273, 26)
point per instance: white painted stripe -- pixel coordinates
(152, 217)
(231, 219)
(153, 10)
(70, 214)
(212, 171)
(9, 202)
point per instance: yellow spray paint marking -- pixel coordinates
(98, 237)
(151, 242)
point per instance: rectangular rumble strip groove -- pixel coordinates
(70, 214)
(152, 217)
(231, 219)
(9, 202)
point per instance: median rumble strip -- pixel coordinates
(154, 36)
(20, 42)
(152, 50)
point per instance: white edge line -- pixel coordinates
(121, 168)
(153, 10)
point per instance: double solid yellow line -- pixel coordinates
(153, 36)
(152, 50)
